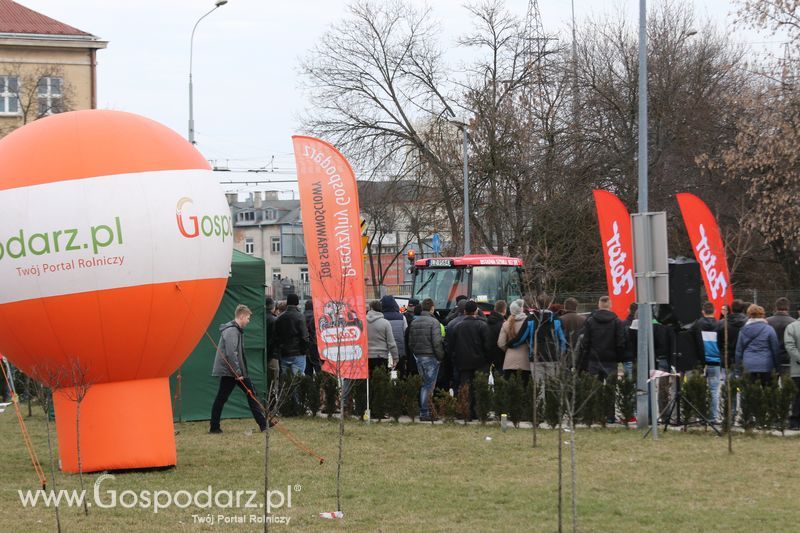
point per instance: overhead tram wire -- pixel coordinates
(255, 171)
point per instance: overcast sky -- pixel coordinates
(246, 84)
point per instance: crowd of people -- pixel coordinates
(534, 338)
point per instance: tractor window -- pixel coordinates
(440, 284)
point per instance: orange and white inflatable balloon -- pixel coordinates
(115, 248)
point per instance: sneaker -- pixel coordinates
(427, 419)
(215, 431)
(632, 420)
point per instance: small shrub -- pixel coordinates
(752, 405)
(587, 398)
(736, 385)
(483, 396)
(293, 405)
(500, 400)
(411, 386)
(695, 392)
(516, 399)
(784, 396)
(379, 392)
(462, 402)
(312, 398)
(395, 405)
(444, 405)
(330, 393)
(358, 397)
(626, 399)
(552, 402)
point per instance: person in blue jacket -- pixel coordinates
(758, 349)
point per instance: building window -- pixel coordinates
(304, 274)
(270, 214)
(247, 216)
(293, 249)
(49, 95)
(276, 245)
(276, 274)
(249, 246)
(9, 95)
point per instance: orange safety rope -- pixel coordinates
(37, 466)
(275, 422)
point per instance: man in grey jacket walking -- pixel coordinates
(231, 369)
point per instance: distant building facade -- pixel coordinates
(46, 66)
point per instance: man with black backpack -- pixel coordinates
(544, 335)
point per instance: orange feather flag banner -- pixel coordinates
(617, 236)
(331, 226)
(708, 248)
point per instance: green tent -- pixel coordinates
(197, 387)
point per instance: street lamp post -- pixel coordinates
(462, 125)
(467, 249)
(217, 5)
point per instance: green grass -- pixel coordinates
(444, 478)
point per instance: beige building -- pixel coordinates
(46, 66)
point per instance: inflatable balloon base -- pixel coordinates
(124, 425)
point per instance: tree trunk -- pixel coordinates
(341, 449)
(266, 470)
(80, 464)
(52, 460)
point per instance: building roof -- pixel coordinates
(16, 18)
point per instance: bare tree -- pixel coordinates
(378, 87)
(45, 380)
(278, 393)
(76, 384)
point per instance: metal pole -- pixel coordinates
(466, 194)
(645, 359)
(191, 53)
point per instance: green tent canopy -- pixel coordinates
(197, 387)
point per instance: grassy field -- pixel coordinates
(443, 478)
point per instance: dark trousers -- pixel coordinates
(226, 386)
(795, 418)
(524, 376)
(765, 378)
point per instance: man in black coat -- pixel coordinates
(291, 337)
(273, 364)
(604, 338)
(313, 364)
(731, 323)
(779, 321)
(470, 342)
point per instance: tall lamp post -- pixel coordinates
(462, 125)
(217, 5)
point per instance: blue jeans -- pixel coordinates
(428, 369)
(627, 367)
(713, 375)
(293, 364)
